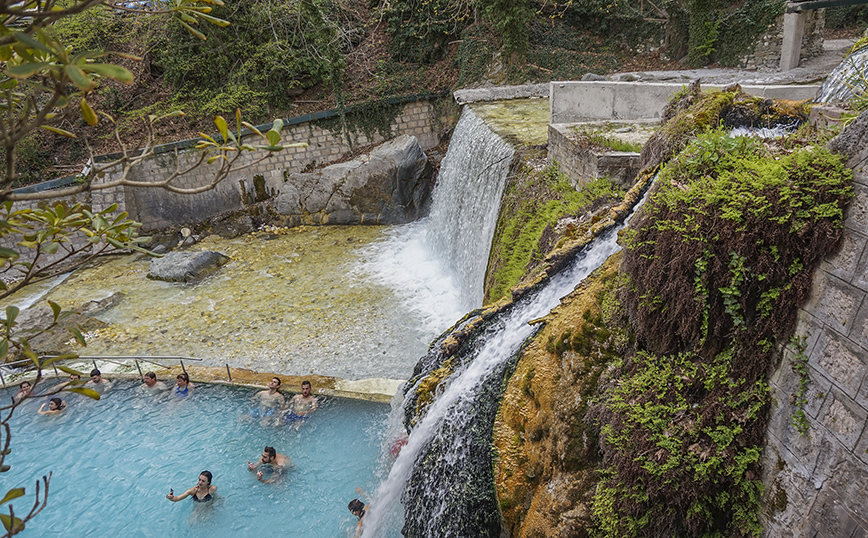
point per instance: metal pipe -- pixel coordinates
(139, 368)
(1, 378)
(229, 373)
(182, 368)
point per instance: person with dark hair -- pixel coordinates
(25, 388)
(271, 465)
(268, 402)
(358, 509)
(201, 492)
(184, 387)
(97, 383)
(55, 406)
(301, 405)
(150, 383)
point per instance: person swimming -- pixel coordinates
(55, 405)
(201, 492)
(184, 387)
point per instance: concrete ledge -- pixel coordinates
(572, 102)
(524, 91)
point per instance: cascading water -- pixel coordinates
(443, 476)
(442, 258)
(847, 80)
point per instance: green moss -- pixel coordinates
(532, 206)
(713, 269)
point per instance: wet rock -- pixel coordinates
(392, 185)
(186, 266)
(232, 226)
(46, 338)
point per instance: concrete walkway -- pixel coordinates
(809, 71)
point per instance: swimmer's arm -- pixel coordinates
(41, 412)
(181, 497)
(251, 466)
(364, 495)
(315, 404)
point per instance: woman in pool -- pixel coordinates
(201, 492)
(358, 509)
(55, 406)
(184, 387)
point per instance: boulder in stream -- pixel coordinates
(391, 185)
(186, 266)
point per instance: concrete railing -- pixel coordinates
(572, 102)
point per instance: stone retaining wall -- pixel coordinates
(583, 165)
(157, 208)
(817, 482)
(767, 52)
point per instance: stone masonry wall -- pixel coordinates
(817, 483)
(767, 52)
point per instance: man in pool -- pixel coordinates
(97, 383)
(269, 401)
(151, 384)
(301, 405)
(271, 465)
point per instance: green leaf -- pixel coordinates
(273, 137)
(8, 253)
(79, 78)
(112, 71)
(78, 336)
(10, 524)
(4, 468)
(61, 132)
(220, 121)
(253, 128)
(69, 370)
(193, 31)
(4, 348)
(55, 308)
(12, 494)
(87, 113)
(11, 314)
(115, 243)
(63, 357)
(214, 20)
(90, 393)
(25, 70)
(21, 37)
(50, 248)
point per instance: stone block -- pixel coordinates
(859, 331)
(843, 264)
(834, 302)
(830, 518)
(844, 418)
(842, 361)
(857, 213)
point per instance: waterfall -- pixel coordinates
(454, 438)
(438, 263)
(466, 202)
(848, 80)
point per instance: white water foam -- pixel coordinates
(456, 402)
(438, 264)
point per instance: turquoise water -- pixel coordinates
(114, 461)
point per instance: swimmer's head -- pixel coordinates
(55, 403)
(357, 507)
(268, 454)
(207, 476)
(25, 386)
(275, 383)
(183, 378)
(95, 375)
(305, 387)
(150, 379)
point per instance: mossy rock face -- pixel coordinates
(546, 471)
